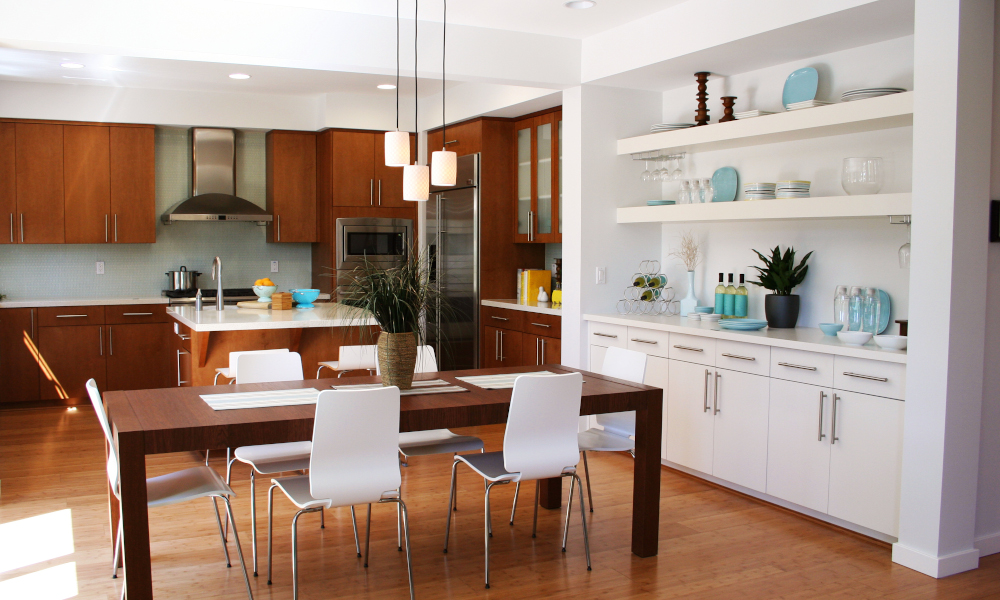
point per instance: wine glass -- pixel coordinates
(664, 173)
(904, 251)
(677, 174)
(647, 175)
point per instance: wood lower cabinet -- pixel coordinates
(504, 348)
(39, 179)
(540, 350)
(510, 338)
(18, 363)
(71, 354)
(291, 186)
(139, 356)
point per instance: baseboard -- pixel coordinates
(935, 566)
(988, 544)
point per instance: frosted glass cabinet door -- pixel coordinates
(524, 179)
(739, 401)
(866, 454)
(798, 460)
(657, 376)
(690, 425)
(543, 134)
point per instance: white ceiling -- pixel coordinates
(544, 17)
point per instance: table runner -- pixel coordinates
(261, 399)
(503, 381)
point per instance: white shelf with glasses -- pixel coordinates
(883, 112)
(829, 207)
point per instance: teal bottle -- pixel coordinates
(729, 309)
(740, 301)
(720, 296)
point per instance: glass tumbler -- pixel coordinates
(862, 175)
(871, 310)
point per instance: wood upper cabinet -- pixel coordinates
(87, 177)
(537, 181)
(18, 365)
(8, 191)
(133, 185)
(463, 138)
(140, 356)
(389, 180)
(39, 181)
(351, 167)
(291, 186)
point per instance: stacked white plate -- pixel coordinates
(749, 114)
(759, 191)
(669, 127)
(861, 94)
(806, 104)
(792, 189)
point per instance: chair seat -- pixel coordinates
(196, 482)
(331, 364)
(601, 440)
(436, 441)
(268, 459)
(297, 490)
(490, 466)
(224, 371)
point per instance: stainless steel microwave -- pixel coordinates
(385, 242)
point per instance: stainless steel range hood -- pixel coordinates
(213, 187)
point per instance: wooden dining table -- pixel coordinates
(157, 421)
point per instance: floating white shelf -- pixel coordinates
(829, 207)
(883, 112)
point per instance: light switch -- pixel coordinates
(602, 275)
(100, 267)
(274, 266)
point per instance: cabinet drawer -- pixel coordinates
(608, 335)
(649, 341)
(183, 336)
(691, 348)
(743, 357)
(802, 366)
(502, 318)
(59, 316)
(873, 377)
(136, 313)
(541, 324)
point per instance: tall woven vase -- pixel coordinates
(397, 358)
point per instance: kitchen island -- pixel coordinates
(205, 338)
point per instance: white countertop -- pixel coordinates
(800, 338)
(328, 314)
(544, 308)
(39, 303)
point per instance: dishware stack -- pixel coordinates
(743, 324)
(660, 202)
(806, 104)
(759, 191)
(669, 127)
(792, 189)
(749, 114)
(862, 93)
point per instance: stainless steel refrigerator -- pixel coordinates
(452, 220)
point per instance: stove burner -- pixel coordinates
(210, 293)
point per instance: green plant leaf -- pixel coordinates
(780, 274)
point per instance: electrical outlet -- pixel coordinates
(602, 275)
(274, 266)
(100, 267)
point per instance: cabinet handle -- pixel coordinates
(100, 332)
(111, 342)
(822, 396)
(137, 314)
(451, 142)
(717, 410)
(179, 382)
(371, 192)
(278, 228)
(868, 377)
(22, 228)
(498, 318)
(542, 361)
(184, 337)
(727, 355)
(32, 324)
(380, 192)
(69, 316)
(105, 229)
(790, 365)
(707, 373)
(496, 346)
(536, 351)
(11, 228)
(833, 421)
(606, 335)
(531, 226)
(644, 341)
(116, 227)
(501, 345)
(689, 348)
(541, 325)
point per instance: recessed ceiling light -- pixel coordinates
(71, 65)
(386, 86)
(239, 76)
(580, 4)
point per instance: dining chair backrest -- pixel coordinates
(542, 424)
(353, 358)
(630, 366)
(355, 445)
(102, 416)
(233, 356)
(265, 368)
(426, 361)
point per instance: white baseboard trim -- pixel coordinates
(935, 566)
(988, 544)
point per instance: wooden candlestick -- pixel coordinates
(701, 115)
(727, 107)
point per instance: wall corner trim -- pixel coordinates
(935, 566)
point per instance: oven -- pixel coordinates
(382, 242)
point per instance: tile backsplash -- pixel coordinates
(33, 271)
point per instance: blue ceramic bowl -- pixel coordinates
(305, 298)
(831, 328)
(705, 310)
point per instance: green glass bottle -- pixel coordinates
(720, 296)
(740, 301)
(730, 300)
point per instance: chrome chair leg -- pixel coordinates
(239, 548)
(295, 550)
(513, 509)
(368, 534)
(229, 477)
(216, 380)
(583, 519)
(399, 531)
(222, 535)
(586, 471)
(118, 546)
(322, 519)
(253, 518)
(451, 499)
(206, 457)
(538, 488)
(270, 529)
(354, 522)
(488, 534)
(569, 509)
(406, 531)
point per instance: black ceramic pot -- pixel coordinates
(782, 312)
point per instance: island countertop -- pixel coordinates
(329, 314)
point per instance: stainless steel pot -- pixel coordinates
(182, 280)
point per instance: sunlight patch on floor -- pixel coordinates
(34, 540)
(54, 583)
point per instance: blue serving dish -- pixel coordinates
(705, 310)
(800, 86)
(305, 298)
(831, 328)
(725, 182)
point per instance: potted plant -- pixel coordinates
(780, 275)
(397, 298)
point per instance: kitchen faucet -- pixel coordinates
(219, 301)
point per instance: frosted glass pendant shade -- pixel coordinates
(444, 167)
(416, 182)
(397, 148)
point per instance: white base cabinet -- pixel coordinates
(740, 451)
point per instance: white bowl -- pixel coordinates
(711, 317)
(854, 338)
(891, 342)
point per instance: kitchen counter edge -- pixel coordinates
(531, 308)
(46, 302)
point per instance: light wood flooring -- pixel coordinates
(713, 543)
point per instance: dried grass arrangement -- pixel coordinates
(689, 253)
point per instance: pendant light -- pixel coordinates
(444, 164)
(416, 178)
(397, 143)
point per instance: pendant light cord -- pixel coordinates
(444, 53)
(397, 65)
(416, 78)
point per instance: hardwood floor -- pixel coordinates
(714, 543)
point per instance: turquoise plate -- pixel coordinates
(800, 86)
(884, 310)
(725, 182)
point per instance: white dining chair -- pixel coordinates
(180, 486)
(352, 358)
(229, 372)
(272, 459)
(353, 461)
(539, 443)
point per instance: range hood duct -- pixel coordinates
(213, 187)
